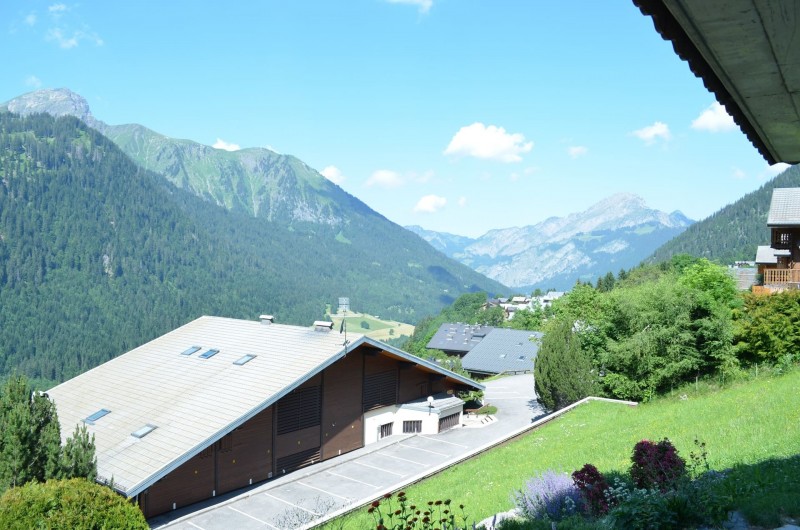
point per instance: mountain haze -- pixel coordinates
(617, 232)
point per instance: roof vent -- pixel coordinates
(322, 325)
(267, 319)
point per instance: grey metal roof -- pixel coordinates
(784, 210)
(193, 402)
(458, 337)
(503, 350)
(767, 255)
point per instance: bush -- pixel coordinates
(593, 486)
(74, 504)
(656, 465)
(549, 495)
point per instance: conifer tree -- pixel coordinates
(30, 439)
(562, 371)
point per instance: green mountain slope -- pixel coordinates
(734, 232)
(98, 255)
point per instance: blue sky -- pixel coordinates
(457, 115)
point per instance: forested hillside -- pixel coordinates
(734, 232)
(98, 255)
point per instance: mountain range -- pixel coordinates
(99, 254)
(615, 233)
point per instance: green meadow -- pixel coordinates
(751, 428)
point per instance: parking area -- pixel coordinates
(299, 499)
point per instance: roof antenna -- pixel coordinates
(344, 305)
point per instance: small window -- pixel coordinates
(209, 354)
(96, 416)
(412, 426)
(144, 431)
(191, 350)
(521, 358)
(244, 360)
(386, 430)
(502, 355)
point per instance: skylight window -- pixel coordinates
(521, 358)
(244, 360)
(191, 350)
(209, 354)
(144, 431)
(96, 416)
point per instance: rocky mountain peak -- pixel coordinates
(53, 101)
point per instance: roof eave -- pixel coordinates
(671, 30)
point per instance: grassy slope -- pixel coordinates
(748, 424)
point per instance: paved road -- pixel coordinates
(299, 498)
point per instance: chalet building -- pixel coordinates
(486, 350)
(457, 338)
(779, 263)
(509, 351)
(219, 404)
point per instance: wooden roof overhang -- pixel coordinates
(747, 52)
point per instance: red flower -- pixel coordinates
(375, 504)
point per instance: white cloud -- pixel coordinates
(57, 8)
(738, 173)
(462, 201)
(33, 81)
(333, 174)
(31, 19)
(67, 42)
(424, 5)
(714, 119)
(651, 133)
(386, 178)
(492, 143)
(430, 204)
(222, 144)
(576, 151)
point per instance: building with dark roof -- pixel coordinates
(503, 351)
(458, 338)
(219, 404)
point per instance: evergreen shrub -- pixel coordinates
(74, 504)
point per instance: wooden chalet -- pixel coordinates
(219, 404)
(779, 263)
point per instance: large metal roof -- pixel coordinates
(747, 52)
(457, 337)
(193, 401)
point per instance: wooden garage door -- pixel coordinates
(244, 456)
(297, 441)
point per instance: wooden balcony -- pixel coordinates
(783, 277)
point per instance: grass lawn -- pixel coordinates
(753, 426)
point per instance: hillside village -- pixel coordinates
(151, 381)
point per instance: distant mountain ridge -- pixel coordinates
(265, 184)
(617, 232)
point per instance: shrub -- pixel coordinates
(593, 486)
(656, 465)
(74, 504)
(549, 495)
